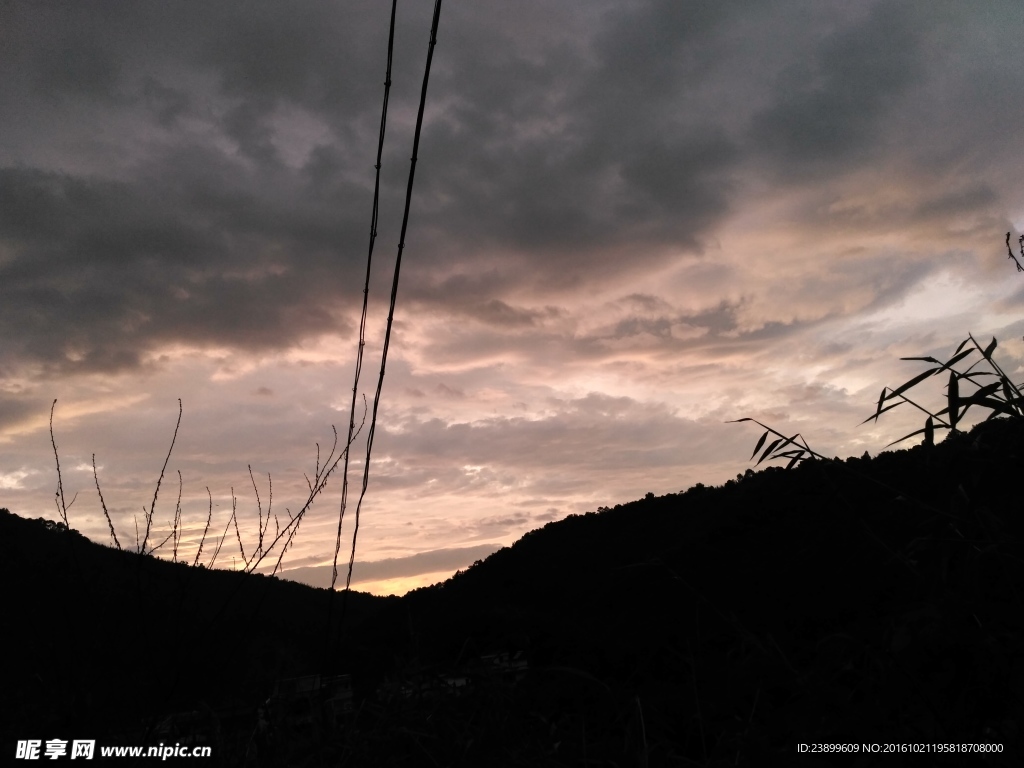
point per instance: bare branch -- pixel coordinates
(209, 517)
(62, 508)
(103, 504)
(1020, 240)
(152, 506)
(234, 519)
(177, 521)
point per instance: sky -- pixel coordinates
(632, 222)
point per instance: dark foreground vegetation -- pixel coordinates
(858, 601)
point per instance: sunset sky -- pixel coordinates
(632, 222)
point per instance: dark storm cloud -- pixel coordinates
(562, 159)
(175, 237)
(201, 174)
(96, 272)
(16, 408)
(828, 108)
(978, 197)
(648, 47)
(80, 62)
(165, 102)
(312, 52)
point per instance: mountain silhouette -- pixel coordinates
(860, 601)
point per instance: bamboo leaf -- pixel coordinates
(913, 434)
(923, 359)
(985, 391)
(1011, 401)
(905, 437)
(999, 406)
(794, 460)
(790, 441)
(878, 408)
(955, 359)
(929, 432)
(990, 348)
(747, 418)
(759, 444)
(769, 449)
(971, 374)
(875, 416)
(784, 441)
(914, 381)
(953, 394)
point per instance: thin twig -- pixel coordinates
(209, 517)
(103, 504)
(62, 508)
(234, 519)
(152, 506)
(1010, 251)
(259, 506)
(177, 521)
(220, 544)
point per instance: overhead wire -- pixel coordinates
(394, 297)
(366, 295)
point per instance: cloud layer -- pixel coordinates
(631, 223)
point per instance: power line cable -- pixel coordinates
(394, 297)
